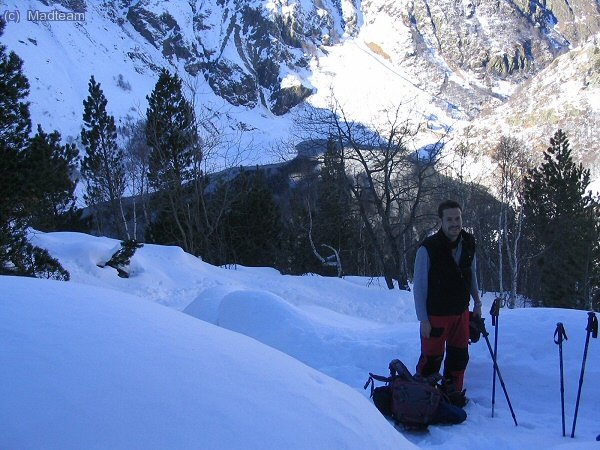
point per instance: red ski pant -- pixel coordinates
(449, 335)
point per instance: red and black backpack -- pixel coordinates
(410, 400)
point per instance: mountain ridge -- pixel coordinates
(253, 64)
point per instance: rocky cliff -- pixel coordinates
(474, 58)
(255, 52)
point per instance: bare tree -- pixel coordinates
(470, 172)
(512, 165)
(332, 260)
(225, 149)
(137, 154)
(389, 177)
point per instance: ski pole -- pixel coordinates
(591, 328)
(559, 335)
(495, 312)
(496, 368)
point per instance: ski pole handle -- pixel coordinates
(560, 334)
(495, 310)
(592, 325)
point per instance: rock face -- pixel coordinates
(256, 53)
(565, 95)
(485, 41)
(248, 51)
(545, 52)
(477, 57)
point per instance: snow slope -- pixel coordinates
(94, 368)
(260, 360)
(125, 64)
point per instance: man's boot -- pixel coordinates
(456, 397)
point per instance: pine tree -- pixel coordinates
(51, 166)
(121, 259)
(561, 230)
(103, 164)
(15, 126)
(333, 220)
(172, 136)
(28, 260)
(297, 255)
(253, 224)
(17, 255)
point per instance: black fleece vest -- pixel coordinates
(449, 284)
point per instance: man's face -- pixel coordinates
(451, 223)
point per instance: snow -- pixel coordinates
(594, 187)
(72, 52)
(353, 64)
(372, 69)
(187, 355)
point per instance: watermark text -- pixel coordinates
(36, 15)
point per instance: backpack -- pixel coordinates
(412, 401)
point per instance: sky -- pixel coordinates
(187, 355)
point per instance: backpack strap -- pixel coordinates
(378, 378)
(397, 368)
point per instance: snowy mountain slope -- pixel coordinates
(564, 95)
(60, 57)
(89, 367)
(252, 64)
(73, 351)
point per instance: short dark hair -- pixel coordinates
(447, 204)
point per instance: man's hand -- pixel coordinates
(477, 311)
(426, 327)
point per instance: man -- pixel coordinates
(444, 281)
